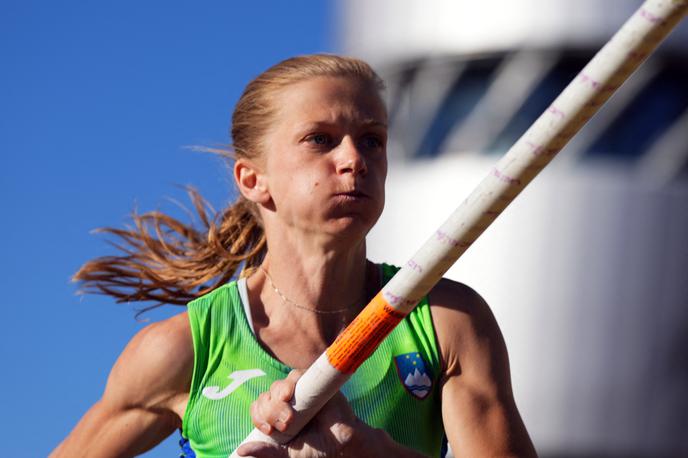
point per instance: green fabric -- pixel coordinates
(224, 343)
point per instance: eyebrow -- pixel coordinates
(374, 123)
(317, 124)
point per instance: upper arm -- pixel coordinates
(144, 398)
(478, 407)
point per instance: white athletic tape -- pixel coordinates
(610, 67)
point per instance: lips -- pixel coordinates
(354, 193)
(354, 196)
(351, 195)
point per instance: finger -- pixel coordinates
(262, 450)
(267, 413)
(284, 389)
(295, 375)
(260, 412)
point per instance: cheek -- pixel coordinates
(306, 185)
(315, 180)
(312, 187)
(381, 171)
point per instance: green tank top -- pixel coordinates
(396, 389)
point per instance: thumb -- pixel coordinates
(262, 450)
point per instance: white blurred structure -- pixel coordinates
(587, 271)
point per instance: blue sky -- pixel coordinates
(98, 101)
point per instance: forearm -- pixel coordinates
(104, 432)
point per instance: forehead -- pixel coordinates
(330, 99)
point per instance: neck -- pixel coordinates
(321, 273)
(324, 281)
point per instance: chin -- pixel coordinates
(351, 222)
(352, 228)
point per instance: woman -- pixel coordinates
(310, 143)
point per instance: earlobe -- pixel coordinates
(250, 181)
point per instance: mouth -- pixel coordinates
(353, 194)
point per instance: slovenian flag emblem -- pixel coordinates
(414, 374)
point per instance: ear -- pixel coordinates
(252, 183)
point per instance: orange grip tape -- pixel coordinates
(360, 339)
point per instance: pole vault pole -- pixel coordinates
(579, 101)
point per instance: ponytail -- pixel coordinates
(166, 261)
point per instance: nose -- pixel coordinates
(350, 159)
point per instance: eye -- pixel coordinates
(319, 139)
(372, 142)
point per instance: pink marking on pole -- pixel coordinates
(504, 178)
(556, 111)
(445, 238)
(539, 150)
(397, 300)
(587, 79)
(651, 17)
(536, 149)
(414, 265)
(393, 299)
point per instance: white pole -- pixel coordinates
(581, 99)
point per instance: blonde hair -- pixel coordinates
(164, 260)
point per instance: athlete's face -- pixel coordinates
(325, 158)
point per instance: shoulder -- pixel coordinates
(155, 367)
(467, 331)
(144, 398)
(459, 305)
(478, 407)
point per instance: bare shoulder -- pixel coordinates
(466, 329)
(155, 367)
(478, 406)
(450, 294)
(459, 307)
(145, 396)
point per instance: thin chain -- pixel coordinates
(303, 307)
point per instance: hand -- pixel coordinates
(334, 431)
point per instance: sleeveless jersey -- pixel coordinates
(396, 389)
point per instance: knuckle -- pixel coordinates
(294, 375)
(284, 419)
(255, 417)
(257, 413)
(283, 389)
(287, 415)
(276, 386)
(254, 409)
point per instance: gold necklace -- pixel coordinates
(303, 307)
